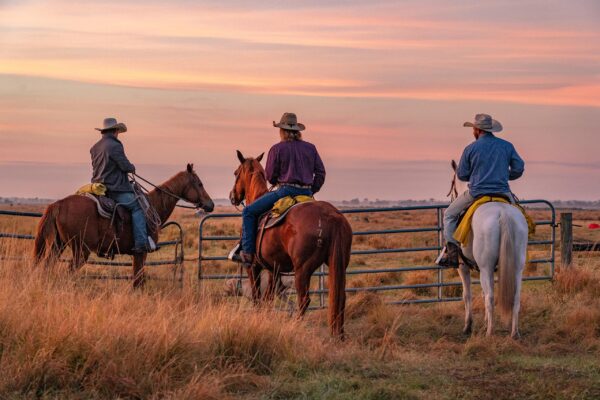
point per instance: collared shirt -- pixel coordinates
(110, 164)
(488, 164)
(296, 162)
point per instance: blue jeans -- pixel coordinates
(253, 211)
(138, 218)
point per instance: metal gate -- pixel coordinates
(208, 259)
(176, 261)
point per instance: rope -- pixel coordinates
(152, 217)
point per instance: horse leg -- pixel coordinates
(139, 279)
(302, 282)
(465, 276)
(80, 255)
(487, 287)
(269, 294)
(517, 306)
(254, 278)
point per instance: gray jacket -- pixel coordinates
(110, 164)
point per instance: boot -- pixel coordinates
(247, 259)
(450, 258)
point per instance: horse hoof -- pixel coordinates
(467, 331)
(515, 336)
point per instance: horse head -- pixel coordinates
(193, 191)
(248, 169)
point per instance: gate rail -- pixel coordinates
(440, 284)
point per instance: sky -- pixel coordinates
(382, 86)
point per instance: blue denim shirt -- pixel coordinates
(488, 164)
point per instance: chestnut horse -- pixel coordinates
(312, 233)
(74, 221)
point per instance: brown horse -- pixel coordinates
(74, 221)
(313, 233)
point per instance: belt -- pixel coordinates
(295, 185)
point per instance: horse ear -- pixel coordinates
(240, 157)
(260, 157)
(454, 166)
(190, 168)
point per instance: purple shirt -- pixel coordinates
(296, 162)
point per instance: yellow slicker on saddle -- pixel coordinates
(94, 188)
(283, 204)
(464, 228)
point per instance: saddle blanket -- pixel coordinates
(464, 228)
(285, 203)
(105, 209)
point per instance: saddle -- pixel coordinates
(464, 226)
(280, 209)
(275, 217)
(462, 233)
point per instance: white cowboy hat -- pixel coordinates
(111, 123)
(289, 122)
(485, 122)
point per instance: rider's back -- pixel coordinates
(488, 164)
(295, 162)
(110, 165)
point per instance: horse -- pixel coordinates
(499, 236)
(74, 222)
(313, 233)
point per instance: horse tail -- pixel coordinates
(47, 234)
(507, 266)
(339, 258)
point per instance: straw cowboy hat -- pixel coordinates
(289, 122)
(485, 122)
(111, 123)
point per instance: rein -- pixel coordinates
(173, 195)
(453, 193)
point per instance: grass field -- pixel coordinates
(62, 336)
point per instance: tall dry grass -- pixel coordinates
(60, 335)
(65, 337)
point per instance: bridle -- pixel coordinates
(169, 193)
(237, 178)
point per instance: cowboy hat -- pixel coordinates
(485, 122)
(289, 122)
(111, 123)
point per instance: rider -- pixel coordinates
(295, 166)
(487, 164)
(110, 167)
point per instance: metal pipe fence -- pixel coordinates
(176, 261)
(437, 230)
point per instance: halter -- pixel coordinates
(169, 193)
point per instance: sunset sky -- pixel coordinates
(382, 86)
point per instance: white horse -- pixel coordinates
(498, 237)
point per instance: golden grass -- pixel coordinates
(65, 337)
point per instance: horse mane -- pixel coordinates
(257, 179)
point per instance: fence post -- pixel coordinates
(566, 239)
